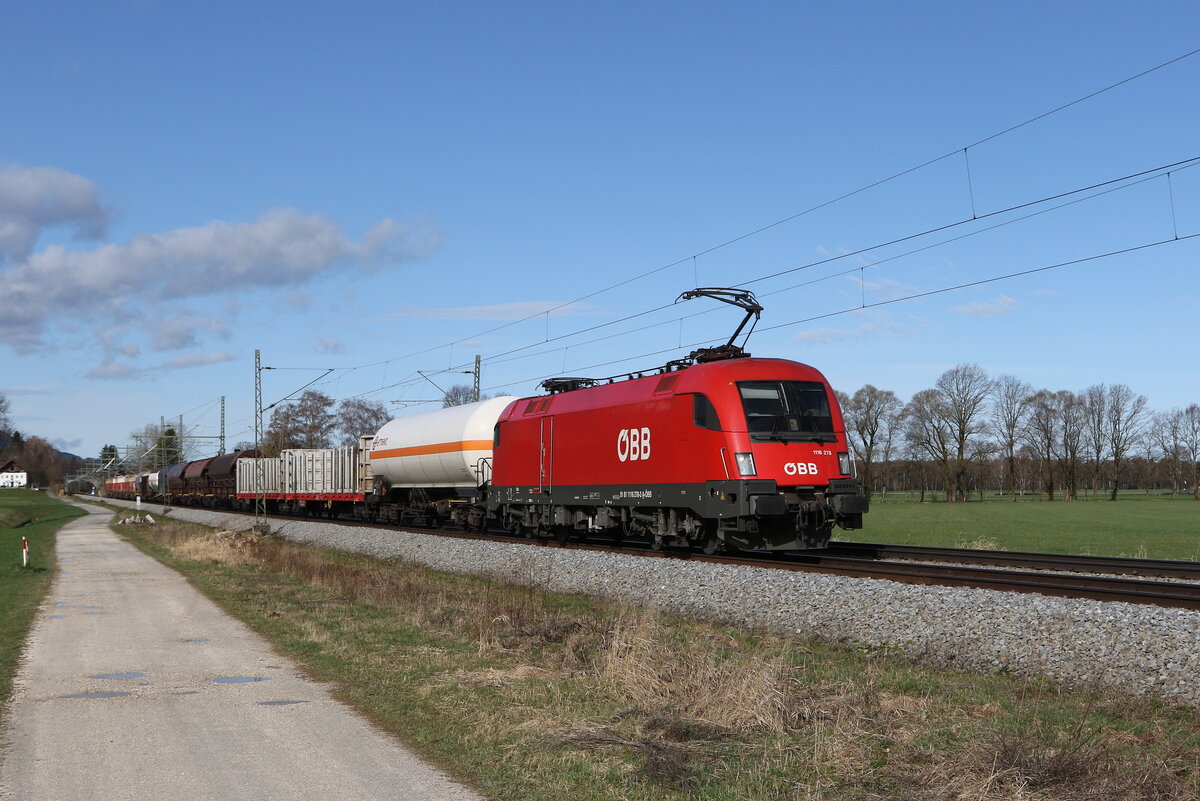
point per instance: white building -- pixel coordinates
(12, 475)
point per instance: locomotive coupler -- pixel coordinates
(848, 502)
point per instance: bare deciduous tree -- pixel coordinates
(1167, 437)
(1126, 417)
(1073, 417)
(459, 394)
(306, 422)
(1010, 407)
(1042, 435)
(45, 464)
(871, 419)
(1095, 413)
(1191, 439)
(5, 420)
(155, 447)
(964, 391)
(927, 432)
(357, 417)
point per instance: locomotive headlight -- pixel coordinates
(844, 464)
(745, 464)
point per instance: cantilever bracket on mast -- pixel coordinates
(743, 299)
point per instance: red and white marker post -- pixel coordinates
(24, 552)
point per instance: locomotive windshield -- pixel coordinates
(787, 410)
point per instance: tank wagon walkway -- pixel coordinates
(134, 686)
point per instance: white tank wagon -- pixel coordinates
(445, 453)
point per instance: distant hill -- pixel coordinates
(6, 439)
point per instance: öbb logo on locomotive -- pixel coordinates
(800, 468)
(633, 444)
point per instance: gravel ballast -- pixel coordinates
(1133, 648)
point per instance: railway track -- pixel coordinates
(1091, 585)
(1088, 582)
(1165, 568)
(1088, 577)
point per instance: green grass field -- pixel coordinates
(1135, 525)
(37, 517)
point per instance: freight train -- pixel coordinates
(717, 451)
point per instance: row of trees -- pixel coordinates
(45, 464)
(312, 420)
(970, 431)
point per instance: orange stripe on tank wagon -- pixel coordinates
(441, 447)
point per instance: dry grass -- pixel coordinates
(651, 707)
(978, 544)
(730, 689)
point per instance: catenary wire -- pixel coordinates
(1126, 181)
(791, 217)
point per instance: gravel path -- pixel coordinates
(1133, 648)
(134, 686)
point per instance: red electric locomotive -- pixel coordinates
(717, 450)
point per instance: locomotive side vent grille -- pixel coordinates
(667, 383)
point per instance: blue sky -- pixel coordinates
(378, 187)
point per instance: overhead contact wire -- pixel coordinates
(809, 210)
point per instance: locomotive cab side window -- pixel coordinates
(787, 410)
(704, 414)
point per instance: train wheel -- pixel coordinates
(710, 543)
(561, 533)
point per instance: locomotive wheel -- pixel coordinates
(560, 533)
(710, 544)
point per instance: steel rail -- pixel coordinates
(1095, 587)
(1036, 561)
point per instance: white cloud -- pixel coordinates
(826, 335)
(330, 345)
(33, 199)
(1001, 305)
(298, 301)
(110, 369)
(886, 287)
(500, 311)
(194, 360)
(878, 324)
(284, 247)
(181, 330)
